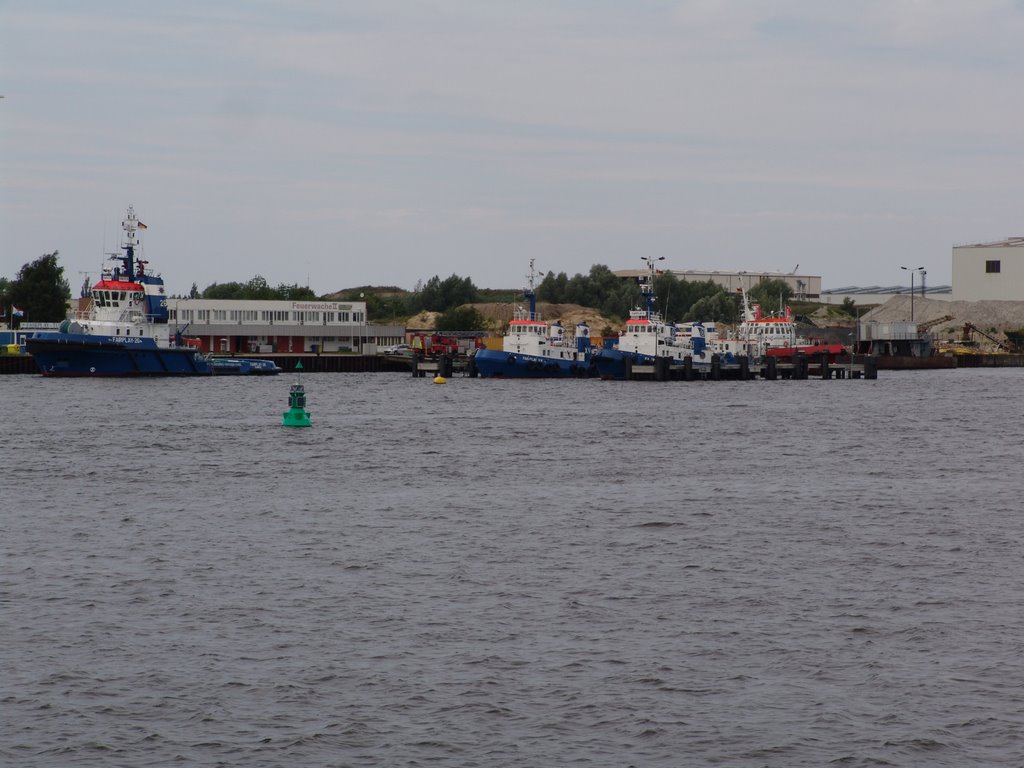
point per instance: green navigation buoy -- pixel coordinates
(297, 415)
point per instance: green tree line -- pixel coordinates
(677, 300)
(255, 289)
(41, 291)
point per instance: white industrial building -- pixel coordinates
(989, 271)
(234, 325)
(804, 287)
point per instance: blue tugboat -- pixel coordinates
(126, 331)
(534, 349)
(648, 336)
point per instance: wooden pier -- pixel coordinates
(770, 369)
(442, 365)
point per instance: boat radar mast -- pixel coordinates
(647, 283)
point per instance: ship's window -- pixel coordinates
(117, 331)
(992, 266)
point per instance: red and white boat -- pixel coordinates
(761, 335)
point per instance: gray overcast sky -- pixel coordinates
(350, 143)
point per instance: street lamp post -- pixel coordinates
(912, 271)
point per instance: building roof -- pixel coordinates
(889, 289)
(1009, 242)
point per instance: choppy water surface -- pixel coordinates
(503, 573)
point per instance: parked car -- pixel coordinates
(397, 349)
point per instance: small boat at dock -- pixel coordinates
(242, 366)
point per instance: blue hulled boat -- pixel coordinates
(126, 330)
(534, 349)
(648, 336)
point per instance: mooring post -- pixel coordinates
(799, 366)
(870, 367)
(744, 362)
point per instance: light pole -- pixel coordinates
(912, 271)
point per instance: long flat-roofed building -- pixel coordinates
(879, 294)
(807, 287)
(248, 326)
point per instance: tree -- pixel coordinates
(194, 293)
(677, 297)
(293, 292)
(438, 295)
(720, 307)
(463, 318)
(40, 290)
(224, 291)
(257, 288)
(552, 288)
(771, 294)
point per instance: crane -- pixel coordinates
(970, 328)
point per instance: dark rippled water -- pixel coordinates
(502, 573)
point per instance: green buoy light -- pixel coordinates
(297, 415)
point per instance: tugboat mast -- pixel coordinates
(130, 225)
(647, 286)
(530, 293)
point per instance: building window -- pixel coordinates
(992, 266)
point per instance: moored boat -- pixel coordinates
(535, 349)
(242, 366)
(760, 335)
(125, 332)
(647, 336)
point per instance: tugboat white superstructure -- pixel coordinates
(648, 336)
(760, 335)
(126, 331)
(534, 349)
